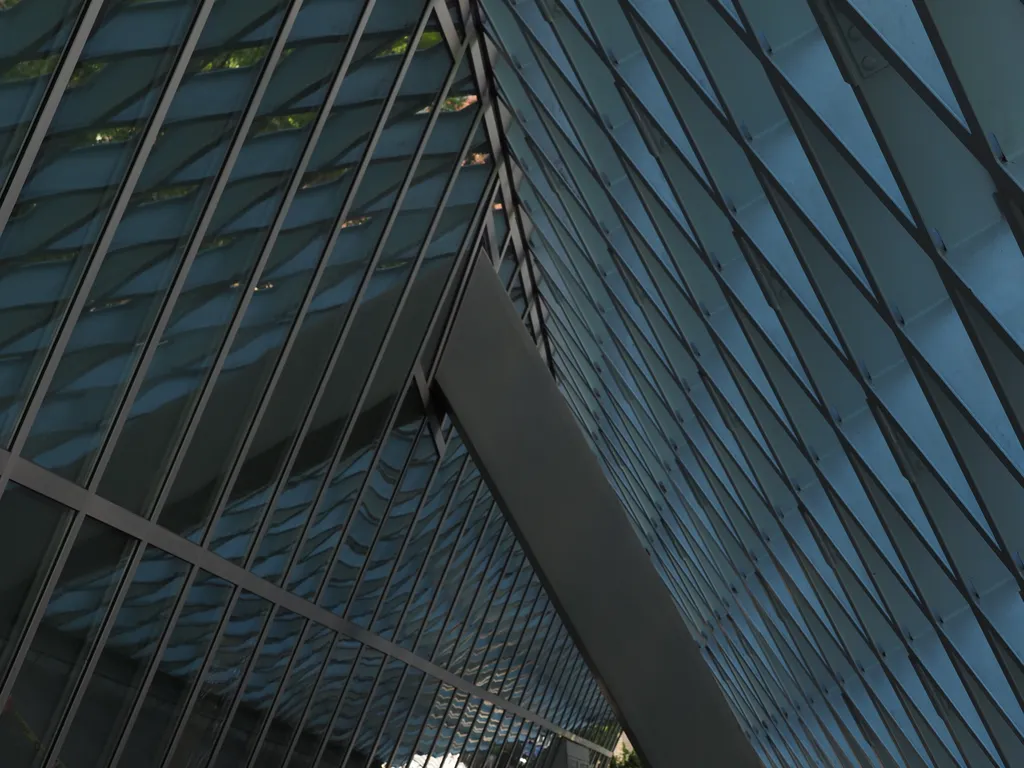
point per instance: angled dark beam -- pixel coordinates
(534, 456)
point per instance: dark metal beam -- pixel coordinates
(569, 520)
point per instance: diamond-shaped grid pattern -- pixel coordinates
(780, 251)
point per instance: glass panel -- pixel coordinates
(475, 174)
(476, 732)
(294, 100)
(63, 642)
(395, 528)
(264, 682)
(61, 215)
(34, 529)
(428, 700)
(407, 565)
(469, 716)
(490, 624)
(363, 525)
(152, 239)
(355, 702)
(220, 684)
(326, 701)
(375, 743)
(126, 658)
(322, 198)
(432, 556)
(32, 37)
(500, 217)
(518, 294)
(180, 664)
(508, 636)
(470, 591)
(333, 516)
(436, 744)
(466, 565)
(508, 269)
(538, 632)
(307, 668)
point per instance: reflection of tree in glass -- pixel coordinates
(428, 39)
(275, 123)
(29, 69)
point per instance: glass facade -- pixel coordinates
(782, 252)
(235, 530)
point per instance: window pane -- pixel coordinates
(34, 529)
(63, 642)
(179, 665)
(116, 681)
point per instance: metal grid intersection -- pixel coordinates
(781, 248)
(231, 237)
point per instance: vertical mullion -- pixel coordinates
(195, 242)
(79, 685)
(243, 682)
(516, 728)
(47, 109)
(334, 712)
(408, 716)
(379, 355)
(36, 616)
(237, 465)
(519, 609)
(490, 599)
(268, 245)
(110, 225)
(451, 557)
(425, 433)
(197, 684)
(118, 747)
(362, 715)
(494, 514)
(442, 516)
(523, 568)
(514, 679)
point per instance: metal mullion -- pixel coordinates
(544, 661)
(47, 109)
(389, 711)
(430, 551)
(272, 709)
(270, 240)
(308, 419)
(66, 493)
(517, 728)
(490, 603)
(573, 701)
(106, 237)
(532, 733)
(494, 513)
(474, 721)
(256, 271)
(236, 699)
(197, 685)
(154, 666)
(490, 745)
(308, 298)
(290, 753)
(500, 739)
(501, 615)
(448, 564)
(77, 687)
(195, 242)
(517, 235)
(408, 717)
(522, 729)
(548, 607)
(362, 715)
(405, 544)
(455, 728)
(555, 660)
(426, 432)
(469, 251)
(378, 357)
(27, 634)
(566, 682)
(515, 618)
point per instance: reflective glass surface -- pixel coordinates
(233, 238)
